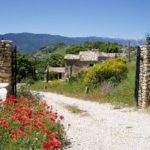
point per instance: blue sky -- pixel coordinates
(73, 18)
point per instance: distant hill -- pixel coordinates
(46, 51)
(51, 48)
(29, 42)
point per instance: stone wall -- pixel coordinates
(73, 67)
(6, 48)
(144, 80)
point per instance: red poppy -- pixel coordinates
(13, 137)
(41, 112)
(61, 117)
(52, 120)
(16, 110)
(28, 122)
(22, 118)
(17, 132)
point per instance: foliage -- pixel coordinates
(56, 60)
(81, 74)
(55, 83)
(72, 79)
(52, 48)
(75, 49)
(88, 45)
(43, 52)
(113, 69)
(39, 86)
(98, 46)
(103, 46)
(29, 124)
(24, 90)
(29, 67)
(124, 91)
(107, 87)
(39, 68)
(25, 67)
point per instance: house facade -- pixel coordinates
(76, 63)
(85, 59)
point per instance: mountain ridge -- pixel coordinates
(29, 42)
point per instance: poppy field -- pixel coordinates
(29, 124)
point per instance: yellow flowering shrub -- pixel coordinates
(115, 69)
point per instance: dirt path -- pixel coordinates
(103, 128)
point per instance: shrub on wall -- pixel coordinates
(113, 69)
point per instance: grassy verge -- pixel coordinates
(123, 93)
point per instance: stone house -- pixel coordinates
(59, 72)
(85, 59)
(76, 63)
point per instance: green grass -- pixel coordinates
(122, 94)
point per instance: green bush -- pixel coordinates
(113, 70)
(78, 77)
(81, 74)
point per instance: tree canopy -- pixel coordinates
(55, 60)
(95, 46)
(25, 67)
(75, 49)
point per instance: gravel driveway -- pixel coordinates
(104, 128)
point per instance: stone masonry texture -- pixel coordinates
(6, 48)
(144, 81)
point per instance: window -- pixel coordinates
(91, 65)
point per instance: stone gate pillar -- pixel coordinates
(6, 48)
(144, 80)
